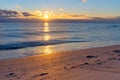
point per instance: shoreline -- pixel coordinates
(59, 52)
(86, 64)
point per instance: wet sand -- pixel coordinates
(89, 64)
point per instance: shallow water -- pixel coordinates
(26, 39)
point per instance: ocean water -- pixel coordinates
(27, 39)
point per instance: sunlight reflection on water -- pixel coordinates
(46, 27)
(47, 49)
(27, 39)
(46, 37)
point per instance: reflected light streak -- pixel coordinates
(46, 27)
(46, 37)
(48, 50)
(46, 24)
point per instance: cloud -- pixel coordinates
(76, 15)
(72, 16)
(84, 1)
(13, 14)
(61, 9)
(40, 14)
(9, 13)
(17, 6)
(26, 14)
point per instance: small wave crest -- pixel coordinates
(20, 45)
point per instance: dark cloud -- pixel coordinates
(100, 19)
(117, 18)
(26, 14)
(77, 15)
(13, 14)
(97, 18)
(8, 13)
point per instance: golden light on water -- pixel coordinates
(48, 50)
(46, 24)
(46, 37)
(46, 27)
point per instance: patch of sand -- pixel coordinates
(90, 64)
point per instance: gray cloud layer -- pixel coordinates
(15, 14)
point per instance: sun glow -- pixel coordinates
(46, 17)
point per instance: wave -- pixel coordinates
(20, 45)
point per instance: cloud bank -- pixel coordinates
(13, 14)
(17, 16)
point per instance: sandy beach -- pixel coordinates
(89, 64)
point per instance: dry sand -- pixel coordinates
(89, 64)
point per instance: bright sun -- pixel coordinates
(46, 17)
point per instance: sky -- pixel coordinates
(59, 9)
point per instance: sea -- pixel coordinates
(29, 39)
